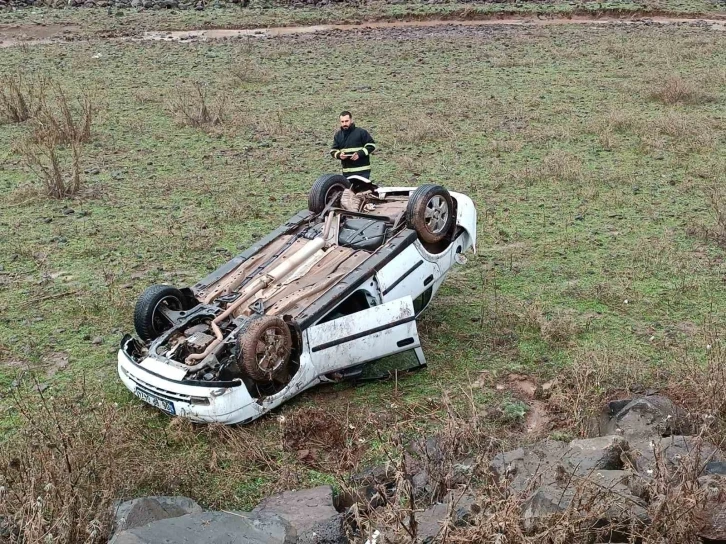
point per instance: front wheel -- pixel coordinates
(149, 320)
(430, 212)
(327, 190)
(264, 349)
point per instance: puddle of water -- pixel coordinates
(36, 34)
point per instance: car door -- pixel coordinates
(364, 336)
(407, 274)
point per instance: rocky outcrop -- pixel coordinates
(614, 482)
(212, 528)
(616, 475)
(306, 516)
(139, 512)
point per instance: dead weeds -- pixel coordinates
(194, 106)
(677, 90)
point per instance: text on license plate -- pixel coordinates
(162, 404)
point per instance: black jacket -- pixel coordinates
(353, 140)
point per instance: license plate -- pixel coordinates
(162, 404)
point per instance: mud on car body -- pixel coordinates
(337, 286)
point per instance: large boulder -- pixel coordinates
(673, 450)
(302, 509)
(652, 416)
(145, 510)
(601, 453)
(550, 475)
(212, 528)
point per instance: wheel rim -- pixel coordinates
(333, 195)
(271, 350)
(159, 320)
(437, 214)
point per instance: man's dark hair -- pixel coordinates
(346, 112)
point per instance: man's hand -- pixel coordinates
(343, 156)
(354, 157)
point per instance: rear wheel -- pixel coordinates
(430, 212)
(327, 190)
(264, 349)
(149, 320)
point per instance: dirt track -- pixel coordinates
(34, 34)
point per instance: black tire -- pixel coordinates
(148, 321)
(430, 212)
(326, 189)
(264, 349)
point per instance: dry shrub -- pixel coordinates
(676, 500)
(44, 158)
(194, 107)
(607, 126)
(62, 470)
(592, 378)
(676, 90)
(692, 133)
(700, 387)
(461, 433)
(59, 121)
(321, 438)
(20, 99)
(716, 197)
(505, 146)
(248, 70)
(562, 165)
(558, 328)
(56, 123)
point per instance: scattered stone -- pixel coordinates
(145, 510)
(302, 509)
(602, 453)
(212, 528)
(97, 341)
(431, 521)
(331, 531)
(649, 416)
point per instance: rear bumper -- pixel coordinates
(202, 404)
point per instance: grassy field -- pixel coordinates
(595, 156)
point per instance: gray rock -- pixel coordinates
(380, 474)
(212, 528)
(432, 520)
(604, 495)
(715, 467)
(429, 449)
(145, 510)
(590, 454)
(331, 531)
(302, 509)
(525, 468)
(420, 484)
(712, 516)
(674, 449)
(648, 417)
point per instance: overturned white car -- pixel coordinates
(333, 289)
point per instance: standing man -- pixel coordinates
(353, 146)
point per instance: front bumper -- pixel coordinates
(202, 404)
